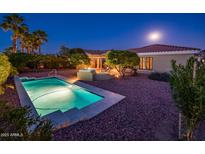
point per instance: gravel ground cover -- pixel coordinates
(147, 113)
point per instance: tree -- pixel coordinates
(75, 56)
(64, 54)
(78, 57)
(189, 92)
(28, 40)
(13, 23)
(20, 120)
(22, 34)
(31, 41)
(121, 60)
(34, 41)
(6, 70)
(40, 37)
(64, 51)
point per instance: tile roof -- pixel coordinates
(161, 48)
(149, 48)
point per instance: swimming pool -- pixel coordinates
(52, 94)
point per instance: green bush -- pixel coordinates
(159, 76)
(18, 120)
(19, 60)
(52, 62)
(6, 69)
(23, 61)
(34, 61)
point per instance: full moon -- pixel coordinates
(154, 36)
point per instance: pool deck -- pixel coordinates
(64, 119)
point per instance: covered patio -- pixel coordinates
(97, 60)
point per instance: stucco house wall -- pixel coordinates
(162, 63)
(153, 58)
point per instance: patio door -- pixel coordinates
(146, 63)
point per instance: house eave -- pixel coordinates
(185, 52)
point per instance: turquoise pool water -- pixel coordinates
(51, 94)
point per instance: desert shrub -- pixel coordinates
(189, 92)
(18, 120)
(159, 76)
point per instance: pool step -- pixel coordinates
(74, 115)
(56, 117)
(65, 119)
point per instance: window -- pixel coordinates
(146, 63)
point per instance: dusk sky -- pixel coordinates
(113, 31)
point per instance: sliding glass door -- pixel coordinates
(146, 63)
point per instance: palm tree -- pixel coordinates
(31, 42)
(34, 44)
(27, 39)
(22, 32)
(40, 37)
(13, 22)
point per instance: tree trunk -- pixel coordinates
(28, 50)
(22, 47)
(135, 72)
(118, 70)
(180, 125)
(194, 72)
(191, 125)
(14, 40)
(189, 134)
(123, 72)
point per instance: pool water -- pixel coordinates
(51, 94)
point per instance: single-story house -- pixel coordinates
(153, 58)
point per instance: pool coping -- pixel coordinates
(70, 117)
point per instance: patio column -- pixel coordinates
(101, 60)
(98, 63)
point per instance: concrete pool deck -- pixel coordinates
(64, 119)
